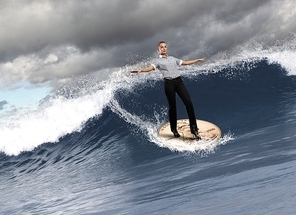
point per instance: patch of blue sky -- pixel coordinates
(22, 97)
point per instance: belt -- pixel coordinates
(171, 79)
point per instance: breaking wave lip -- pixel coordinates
(48, 123)
(69, 109)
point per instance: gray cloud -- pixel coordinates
(51, 40)
(2, 103)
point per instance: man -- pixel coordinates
(173, 84)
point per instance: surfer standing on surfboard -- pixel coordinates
(173, 84)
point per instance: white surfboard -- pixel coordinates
(207, 131)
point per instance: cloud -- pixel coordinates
(51, 41)
(2, 104)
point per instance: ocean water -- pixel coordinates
(91, 147)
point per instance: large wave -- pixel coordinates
(68, 109)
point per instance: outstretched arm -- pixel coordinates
(147, 69)
(189, 62)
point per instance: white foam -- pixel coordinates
(248, 55)
(285, 58)
(25, 131)
(202, 147)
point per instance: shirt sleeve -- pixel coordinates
(154, 63)
(179, 61)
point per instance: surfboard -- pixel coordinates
(207, 131)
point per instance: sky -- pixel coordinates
(22, 98)
(45, 43)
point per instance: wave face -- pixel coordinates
(92, 147)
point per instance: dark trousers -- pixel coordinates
(171, 87)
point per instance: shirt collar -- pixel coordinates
(160, 56)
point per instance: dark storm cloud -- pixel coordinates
(45, 40)
(87, 24)
(237, 10)
(32, 25)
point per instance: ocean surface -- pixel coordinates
(91, 147)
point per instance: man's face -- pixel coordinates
(162, 48)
